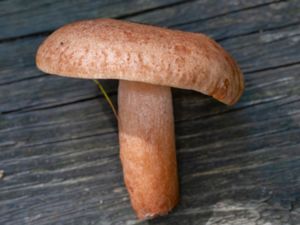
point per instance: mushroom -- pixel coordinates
(148, 61)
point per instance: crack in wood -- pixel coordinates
(260, 31)
(23, 79)
(272, 67)
(178, 25)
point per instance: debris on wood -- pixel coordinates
(1, 174)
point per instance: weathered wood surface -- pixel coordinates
(58, 136)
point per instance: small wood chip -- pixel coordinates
(1, 174)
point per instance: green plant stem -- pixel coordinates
(101, 88)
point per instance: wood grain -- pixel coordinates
(237, 165)
(64, 12)
(46, 15)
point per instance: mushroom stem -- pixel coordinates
(147, 147)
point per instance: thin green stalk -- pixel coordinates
(101, 88)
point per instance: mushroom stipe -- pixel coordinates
(148, 61)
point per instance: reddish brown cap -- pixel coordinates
(113, 49)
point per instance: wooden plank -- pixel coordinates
(41, 16)
(253, 19)
(53, 157)
(199, 11)
(38, 17)
(238, 165)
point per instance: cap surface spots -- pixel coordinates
(113, 49)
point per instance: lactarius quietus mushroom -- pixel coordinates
(148, 61)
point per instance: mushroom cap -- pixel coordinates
(114, 49)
